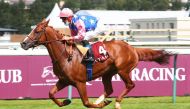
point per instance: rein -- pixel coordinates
(66, 54)
(37, 43)
(44, 42)
(47, 42)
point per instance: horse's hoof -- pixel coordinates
(104, 103)
(117, 105)
(66, 102)
(107, 102)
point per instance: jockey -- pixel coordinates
(82, 27)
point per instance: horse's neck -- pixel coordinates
(56, 49)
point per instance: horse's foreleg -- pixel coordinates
(83, 94)
(59, 85)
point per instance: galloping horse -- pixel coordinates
(123, 59)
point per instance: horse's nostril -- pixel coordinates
(23, 43)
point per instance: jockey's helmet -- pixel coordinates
(66, 12)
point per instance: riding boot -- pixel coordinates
(89, 56)
(85, 43)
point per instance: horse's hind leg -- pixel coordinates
(83, 94)
(108, 90)
(59, 85)
(129, 84)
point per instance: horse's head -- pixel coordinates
(36, 36)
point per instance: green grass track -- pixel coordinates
(127, 103)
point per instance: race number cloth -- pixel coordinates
(100, 53)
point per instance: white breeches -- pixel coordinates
(91, 34)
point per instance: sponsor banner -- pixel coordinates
(14, 77)
(32, 76)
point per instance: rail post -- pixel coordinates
(169, 35)
(131, 35)
(174, 80)
(70, 92)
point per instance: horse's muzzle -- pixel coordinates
(24, 45)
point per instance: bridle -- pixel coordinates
(46, 42)
(39, 34)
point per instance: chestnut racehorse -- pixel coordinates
(123, 59)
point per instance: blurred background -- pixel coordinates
(157, 24)
(137, 20)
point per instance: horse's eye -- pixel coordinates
(37, 30)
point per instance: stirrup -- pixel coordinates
(88, 59)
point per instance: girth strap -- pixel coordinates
(89, 70)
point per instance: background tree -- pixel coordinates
(86, 4)
(20, 19)
(116, 4)
(160, 5)
(17, 17)
(5, 14)
(73, 4)
(99, 4)
(176, 5)
(132, 4)
(187, 6)
(40, 9)
(146, 5)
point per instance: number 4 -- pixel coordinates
(102, 50)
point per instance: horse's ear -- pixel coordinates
(44, 20)
(47, 22)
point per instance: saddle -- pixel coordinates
(82, 49)
(97, 51)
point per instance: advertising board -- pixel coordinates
(32, 77)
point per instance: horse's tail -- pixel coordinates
(159, 56)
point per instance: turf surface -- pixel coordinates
(127, 103)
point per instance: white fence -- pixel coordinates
(147, 34)
(179, 47)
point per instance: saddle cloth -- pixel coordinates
(98, 49)
(100, 52)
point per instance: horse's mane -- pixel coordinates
(57, 32)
